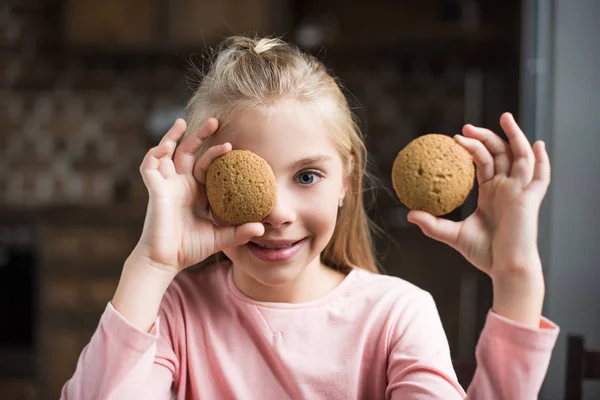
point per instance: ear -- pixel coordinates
(345, 186)
(347, 177)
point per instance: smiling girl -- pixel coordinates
(298, 310)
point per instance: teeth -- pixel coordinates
(274, 247)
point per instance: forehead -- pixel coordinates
(289, 131)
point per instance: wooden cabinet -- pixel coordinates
(164, 25)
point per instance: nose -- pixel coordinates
(284, 210)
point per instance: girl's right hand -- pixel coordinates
(178, 230)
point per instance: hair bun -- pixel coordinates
(265, 44)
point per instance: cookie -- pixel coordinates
(433, 173)
(240, 187)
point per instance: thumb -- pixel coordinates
(231, 236)
(440, 229)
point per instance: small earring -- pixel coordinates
(340, 203)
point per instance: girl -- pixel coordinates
(298, 309)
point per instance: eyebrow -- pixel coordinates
(310, 160)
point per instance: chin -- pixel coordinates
(270, 273)
(275, 274)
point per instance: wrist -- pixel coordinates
(140, 291)
(519, 297)
(140, 258)
(143, 274)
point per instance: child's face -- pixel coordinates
(310, 181)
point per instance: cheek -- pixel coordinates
(318, 211)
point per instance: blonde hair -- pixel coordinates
(251, 73)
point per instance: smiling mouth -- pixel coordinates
(276, 246)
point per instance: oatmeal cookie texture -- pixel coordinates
(433, 173)
(240, 187)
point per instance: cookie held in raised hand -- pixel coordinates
(240, 187)
(433, 173)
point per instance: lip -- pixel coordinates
(275, 242)
(275, 255)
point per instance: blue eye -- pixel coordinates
(308, 177)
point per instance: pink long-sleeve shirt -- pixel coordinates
(372, 337)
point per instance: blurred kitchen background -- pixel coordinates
(86, 87)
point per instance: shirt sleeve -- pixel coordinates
(512, 359)
(123, 362)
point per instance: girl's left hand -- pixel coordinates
(500, 237)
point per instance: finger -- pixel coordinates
(231, 236)
(207, 158)
(185, 154)
(149, 167)
(150, 161)
(169, 140)
(440, 229)
(166, 167)
(482, 157)
(541, 169)
(495, 145)
(216, 220)
(523, 159)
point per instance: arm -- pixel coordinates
(121, 362)
(131, 352)
(500, 239)
(512, 358)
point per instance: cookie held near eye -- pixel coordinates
(433, 173)
(240, 187)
